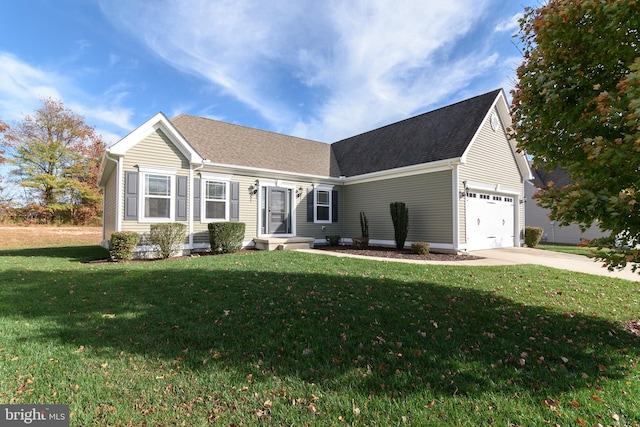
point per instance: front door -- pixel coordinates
(276, 210)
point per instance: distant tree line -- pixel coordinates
(54, 157)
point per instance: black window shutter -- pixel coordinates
(181, 197)
(131, 196)
(196, 199)
(234, 208)
(310, 215)
(334, 206)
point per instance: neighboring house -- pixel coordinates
(539, 217)
(458, 173)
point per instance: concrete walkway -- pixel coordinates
(514, 256)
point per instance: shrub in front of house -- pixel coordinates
(532, 236)
(400, 218)
(226, 237)
(333, 239)
(168, 237)
(123, 244)
(360, 243)
(420, 248)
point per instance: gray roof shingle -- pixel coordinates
(231, 144)
(441, 134)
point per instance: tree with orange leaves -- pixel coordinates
(577, 106)
(56, 156)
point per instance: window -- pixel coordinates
(157, 196)
(322, 206)
(215, 200)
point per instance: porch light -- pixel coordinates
(299, 192)
(253, 189)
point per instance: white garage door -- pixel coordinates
(490, 221)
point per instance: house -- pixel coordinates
(538, 216)
(455, 169)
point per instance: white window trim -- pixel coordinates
(209, 177)
(322, 187)
(145, 170)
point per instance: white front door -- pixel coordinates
(490, 221)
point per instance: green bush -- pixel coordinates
(420, 248)
(333, 239)
(226, 237)
(364, 225)
(532, 236)
(168, 237)
(122, 244)
(400, 218)
(360, 243)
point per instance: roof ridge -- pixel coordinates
(247, 127)
(496, 91)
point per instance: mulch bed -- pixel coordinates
(385, 252)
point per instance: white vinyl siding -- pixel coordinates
(491, 163)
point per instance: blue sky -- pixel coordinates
(323, 70)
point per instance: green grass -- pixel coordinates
(285, 338)
(568, 249)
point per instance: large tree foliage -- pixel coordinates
(577, 106)
(57, 156)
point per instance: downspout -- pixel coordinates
(192, 171)
(456, 206)
(520, 206)
(119, 186)
(343, 208)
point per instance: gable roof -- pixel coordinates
(542, 175)
(157, 122)
(441, 134)
(235, 145)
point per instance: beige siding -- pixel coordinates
(158, 151)
(553, 233)
(248, 211)
(490, 161)
(312, 229)
(109, 215)
(427, 196)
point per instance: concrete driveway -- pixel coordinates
(579, 263)
(514, 256)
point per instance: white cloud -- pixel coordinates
(22, 86)
(510, 24)
(365, 62)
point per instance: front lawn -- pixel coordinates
(568, 249)
(285, 338)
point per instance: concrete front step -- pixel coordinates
(279, 243)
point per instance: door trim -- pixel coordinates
(265, 184)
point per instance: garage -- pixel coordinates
(490, 221)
